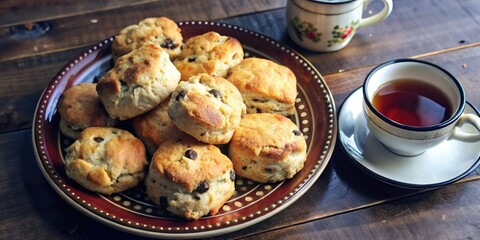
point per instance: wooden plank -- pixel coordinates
(457, 61)
(405, 33)
(379, 41)
(31, 209)
(447, 213)
(24, 79)
(16, 12)
(19, 12)
(87, 28)
(346, 177)
(264, 5)
(342, 188)
(340, 193)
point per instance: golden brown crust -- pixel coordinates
(267, 148)
(209, 53)
(155, 127)
(170, 160)
(106, 160)
(161, 31)
(79, 108)
(206, 107)
(138, 82)
(127, 150)
(266, 86)
(265, 135)
(189, 178)
(204, 113)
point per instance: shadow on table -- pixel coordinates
(361, 182)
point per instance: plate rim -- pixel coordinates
(393, 182)
(324, 155)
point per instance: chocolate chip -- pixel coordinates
(123, 86)
(272, 168)
(180, 95)
(202, 187)
(259, 100)
(197, 198)
(169, 44)
(191, 59)
(296, 133)
(232, 175)
(215, 93)
(98, 139)
(190, 153)
(244, 168)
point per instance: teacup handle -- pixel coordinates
(382, 15)
(471, 119)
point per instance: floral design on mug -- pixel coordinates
(305, 29)
(341, 33)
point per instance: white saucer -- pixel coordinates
(440, 165)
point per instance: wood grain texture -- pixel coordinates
(16, 12)
(461, 62)
(344, 203)
(264, 5)
(30, 207)
(23, 81)
(342, 190)
(25, 78)
(86, 28)
(405, 33)
(450, 213)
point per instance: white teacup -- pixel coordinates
(407, 135)
(329, 25)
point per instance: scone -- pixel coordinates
(106, 160)
(139, 81)
(161, 31)
(208, 108)
(267, 148)
(266, 86)
(189, 178)
(79, 107)
(156, 127)
(209, 53)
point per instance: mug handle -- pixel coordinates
(382, 15)
(471, 119)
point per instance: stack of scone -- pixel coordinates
(182, 100)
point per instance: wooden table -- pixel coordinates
(344, 203)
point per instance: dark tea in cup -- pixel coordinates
(411, 106)
(412, 102)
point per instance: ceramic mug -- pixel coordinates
(394, 112)
(329, 25)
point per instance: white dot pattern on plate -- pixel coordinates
(135, 200)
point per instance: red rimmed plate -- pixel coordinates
(132, 211)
